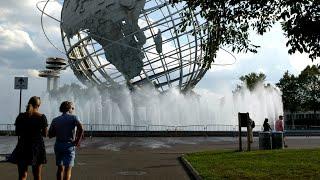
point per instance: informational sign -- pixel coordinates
(244, 119)
(20, 83)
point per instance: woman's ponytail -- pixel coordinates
(29, 109)
(33, 103)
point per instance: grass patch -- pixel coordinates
(272, 164)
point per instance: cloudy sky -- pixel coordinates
(24, 48)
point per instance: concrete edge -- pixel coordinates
(193, 174)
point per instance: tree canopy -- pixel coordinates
(301, 92)
(251, 80)
(230, 21)
(309, 81)
(289, 85)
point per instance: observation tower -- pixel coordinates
(53, 67)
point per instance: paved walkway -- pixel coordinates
(135, 158)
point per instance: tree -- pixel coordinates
(229, 22)
(301, 24)
(251, 80)
(301, 93)
(289, 85)
(309, 80)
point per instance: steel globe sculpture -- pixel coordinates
(112, 43)
(131, 42)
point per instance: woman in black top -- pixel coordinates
(266, 125)
(31, 126)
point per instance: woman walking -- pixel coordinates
(63, 127)
(31, 126)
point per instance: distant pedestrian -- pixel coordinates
(280, 127)
(266, 125)
(251, 125)
(31, 126)
(63, 128)
(279, 124)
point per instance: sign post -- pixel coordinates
(243, 121)
(240, 135)
(20, 83)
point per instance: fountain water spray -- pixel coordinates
(147, 109)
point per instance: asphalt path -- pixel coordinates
(135, 158)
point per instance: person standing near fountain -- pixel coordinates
(63, 128)
(279, 124)
(266, 125)
(280, 127)
(31, 126)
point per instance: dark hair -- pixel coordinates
(33, 103)
(280, 117)
(266, 120)
(65, 106)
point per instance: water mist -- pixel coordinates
(147, 109)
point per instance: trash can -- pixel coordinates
(277, 140)
(264, 140)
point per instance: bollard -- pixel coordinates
(265, 140)
(277, 140)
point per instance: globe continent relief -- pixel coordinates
(113, 26)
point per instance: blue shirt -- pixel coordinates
(64, 127)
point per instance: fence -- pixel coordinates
(121, 127)
(7, 127)
(302, 127)
(166, 130)
(209, 127)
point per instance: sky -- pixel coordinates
(24, 48)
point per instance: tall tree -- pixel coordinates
(252, 79)
(301, 23)
(289, 85)
(230, 21)
(309, 80)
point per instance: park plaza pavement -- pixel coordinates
(134, 158)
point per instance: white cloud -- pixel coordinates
(18, 49)
(15, 39)
(261, 70)
(22, 43)
(33, 73)
(300, 61)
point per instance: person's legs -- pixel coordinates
(284, 140)
(23, 171)
(250, 135)
(60, 172)
(67, 173)
(68, 161)
(65, 154)
(36, 170)
(58, 149)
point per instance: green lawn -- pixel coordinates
(275, 164)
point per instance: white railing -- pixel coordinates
(121, 127)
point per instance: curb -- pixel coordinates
(193, 174)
